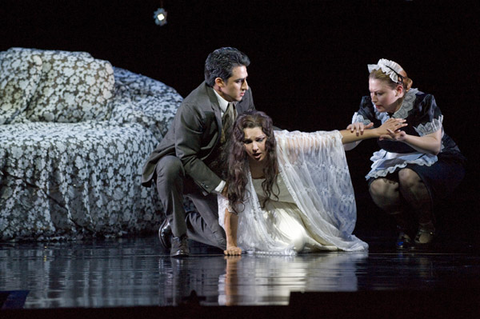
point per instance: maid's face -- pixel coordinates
(384, 97)
(254, 143)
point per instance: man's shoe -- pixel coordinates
(165, 235)
(179, 247)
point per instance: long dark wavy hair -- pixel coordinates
(237, 177)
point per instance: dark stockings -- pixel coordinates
(403, 197)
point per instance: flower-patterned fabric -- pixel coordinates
(71, 180)
(20, 73)
(73, 87)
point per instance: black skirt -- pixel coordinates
(441, 178)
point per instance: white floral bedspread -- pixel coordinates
(75, 180)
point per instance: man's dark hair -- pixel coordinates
(220, 63)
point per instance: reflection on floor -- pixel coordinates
(133, 273)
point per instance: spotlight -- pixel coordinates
(160, 17)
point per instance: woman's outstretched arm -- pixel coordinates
(356, 133)
(231, 226)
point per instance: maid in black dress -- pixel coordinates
(417, 165)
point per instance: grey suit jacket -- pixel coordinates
(194, 135)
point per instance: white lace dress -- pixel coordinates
(316, 209)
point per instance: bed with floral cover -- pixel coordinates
(74, 134)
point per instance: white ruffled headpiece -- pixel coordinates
(390, 68)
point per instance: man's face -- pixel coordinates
(235, 87)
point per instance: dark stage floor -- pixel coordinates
(132, 275)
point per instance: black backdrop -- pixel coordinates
(308, 57)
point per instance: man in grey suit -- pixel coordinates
(188, 161)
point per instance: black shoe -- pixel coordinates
(425, 236)
(179, 247)
(165, 235)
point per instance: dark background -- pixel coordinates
(309, 59)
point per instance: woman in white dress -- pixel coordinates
(290, 192)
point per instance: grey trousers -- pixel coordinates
(172, 184)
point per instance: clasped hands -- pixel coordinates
(390, 130)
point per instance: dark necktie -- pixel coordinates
(227, 121)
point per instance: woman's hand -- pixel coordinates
(391, 130)
(357, 132)
(232, 250)
(358, 127)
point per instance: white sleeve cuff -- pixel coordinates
(220, 187)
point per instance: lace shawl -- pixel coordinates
(315, 171)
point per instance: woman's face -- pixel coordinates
(254, 143)
(383, 96)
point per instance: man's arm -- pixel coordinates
(195, 136)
